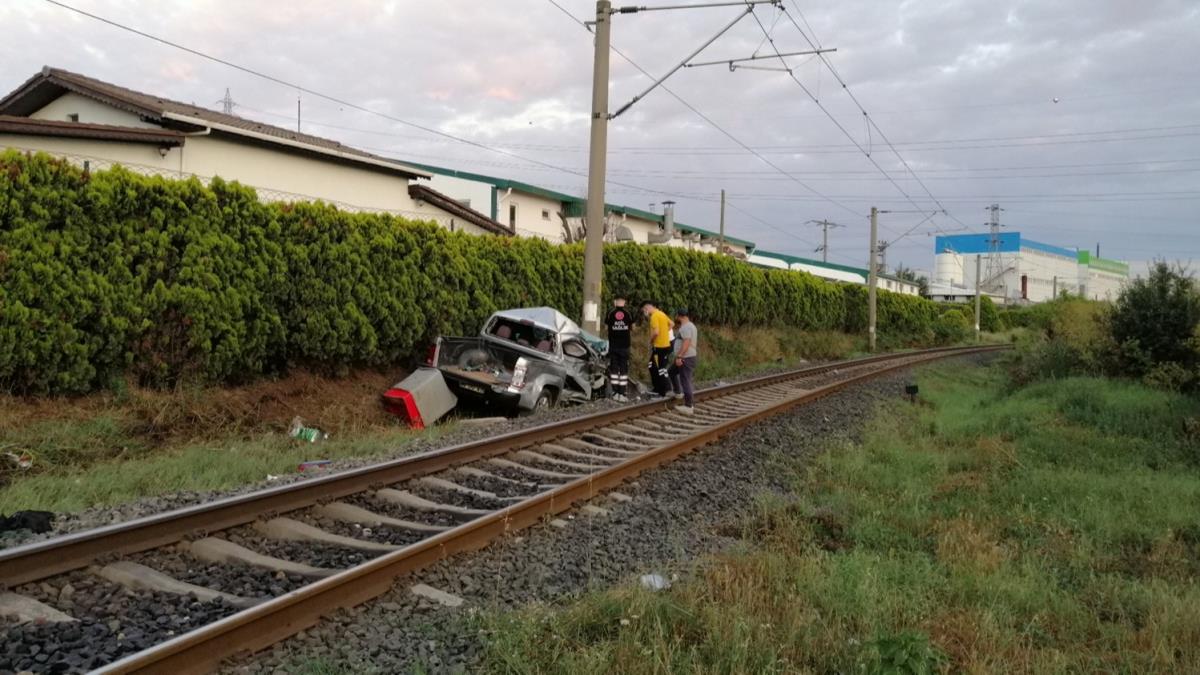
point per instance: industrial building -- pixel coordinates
(1019, 270)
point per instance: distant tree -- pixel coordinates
(909, 274)
(1156, 320)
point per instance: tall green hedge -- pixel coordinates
(111, 274)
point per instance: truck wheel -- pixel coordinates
(544, 401)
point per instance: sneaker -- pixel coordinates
(678, 395)
(620, 398)
(685, 409)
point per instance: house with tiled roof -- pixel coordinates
(97, 124)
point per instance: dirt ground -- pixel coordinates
(345, 404)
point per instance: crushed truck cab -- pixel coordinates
(526, 359)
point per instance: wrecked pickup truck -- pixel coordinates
(526, 359)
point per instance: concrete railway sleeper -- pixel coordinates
(257, 568)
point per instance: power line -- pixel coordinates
(766, 223)
(819, 148)
(1084, 214)
(994, 196)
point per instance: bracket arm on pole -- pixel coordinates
(659, 81)
(762, 56)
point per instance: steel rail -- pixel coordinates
(203, 649)
(39, 560)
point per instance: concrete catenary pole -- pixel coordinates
(978, 266)
(593, 250)
(721, 250)
(871, 281)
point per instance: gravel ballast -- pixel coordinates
(679, 512)
(231, 578)
(112, 622)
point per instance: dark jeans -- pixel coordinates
(660, 363)
(681, 379)
(618, 370)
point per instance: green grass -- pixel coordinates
(221, 464)
(1048, 529)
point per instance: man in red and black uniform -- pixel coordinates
(620, 326)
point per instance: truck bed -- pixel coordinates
(482, 377)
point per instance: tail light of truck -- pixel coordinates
(518, 376)
(431, 355)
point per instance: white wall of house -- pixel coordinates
(140, 157)
(640, 228)
(270, 169)
(89, 111)
(901, 286)
(146, 159)
(473, 193)
(423, 210)
(531, 215)
(294, 175)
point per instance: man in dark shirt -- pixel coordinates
(620, 326)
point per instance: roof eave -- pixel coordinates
(417, 191)
(25, 126)
(390, 167)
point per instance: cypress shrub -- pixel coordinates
(114, 274)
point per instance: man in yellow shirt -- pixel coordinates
(660, 347)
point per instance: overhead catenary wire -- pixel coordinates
(872, 123)
(696, 111)
(866, 152)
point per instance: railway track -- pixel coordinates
(181, 591)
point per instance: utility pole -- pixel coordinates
(721, 250)
(1054, 293)
(593, 249)
(297, 113)
(871, 281)
(825, 225)
(978, 265)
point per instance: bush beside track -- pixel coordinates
(111, 274)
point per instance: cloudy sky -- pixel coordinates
(1081, 118)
